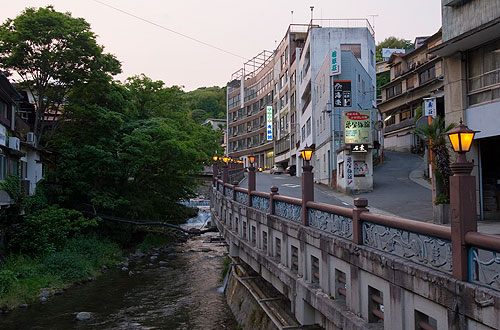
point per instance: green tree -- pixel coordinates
(151, 98)
(206, 102)
(52, 52)
(392, 42)
(435, 137)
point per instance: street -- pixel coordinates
(394, 193)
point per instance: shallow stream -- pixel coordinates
(176, 290)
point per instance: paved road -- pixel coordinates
(394, 193)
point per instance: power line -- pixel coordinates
(169, 30)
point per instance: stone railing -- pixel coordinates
(410, 248)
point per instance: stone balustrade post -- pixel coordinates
(225, 173)
(463, 214)
(274, 191)
(307, 190)
(215, 172)
(360, 205)
(251, 182)
(235, 184)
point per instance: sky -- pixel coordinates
(241, 28)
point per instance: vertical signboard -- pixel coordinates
(349, 172)
(357, 127)
(341, 93)
(269, 116)
(334, 62)
(430, 107)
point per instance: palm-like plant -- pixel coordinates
(434, 136)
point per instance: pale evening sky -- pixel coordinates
(244, 28)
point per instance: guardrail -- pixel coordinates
(423, 243)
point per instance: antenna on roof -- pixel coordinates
(373, 21)
(292, 15)
(312, 9)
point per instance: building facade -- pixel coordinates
(471, 59)
(414, 76)
(271, 101)
(323, 39)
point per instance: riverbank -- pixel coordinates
(174, 287)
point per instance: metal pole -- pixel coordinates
(463, 213)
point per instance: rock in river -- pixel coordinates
(83, 316)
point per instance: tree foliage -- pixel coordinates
(52, 52)
(392, 42)
(206, 102)
(435, 137)
(133, 152)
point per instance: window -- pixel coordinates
(410, 82)
(3, 109)
(390, 121)
(264, 240)
(3, 167)
(277, 252)
(393, 91)
(397, 70)
(405, 115)
(484, 73)
(303, 132)
(427, 75)
(355, 48)
(308, 126)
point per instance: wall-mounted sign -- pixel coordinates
(269, 120)
(335, 62)
(342, 93)
(357, 127)
(349, 171)
(359, 147)
(430, 107)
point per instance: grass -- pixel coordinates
(226, 262)
(23, 277)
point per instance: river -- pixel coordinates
(178, 290)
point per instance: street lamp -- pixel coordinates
(225, 159)
(461, 138)
(307, 182)
(462, 200)
(251, 176)
(306, 153)
(215, 158)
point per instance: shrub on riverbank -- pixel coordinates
(22, 277)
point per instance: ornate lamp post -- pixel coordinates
(215, 170)
(307, 182)
(251, 178)
(225, 172)
(462, 199)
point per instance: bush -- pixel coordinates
(47, 231)
(152, 240)
(68, 266)
(7, 278)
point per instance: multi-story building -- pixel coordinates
(266, 108)
(323, 38)
(262, 94)
(471, 58)
(413, 76)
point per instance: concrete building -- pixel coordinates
(413, 76)
(471, 59)
(328, 125)
(323, 38)
(266, 114)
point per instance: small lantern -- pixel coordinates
(225, 159)
(461, 138)
(251, 159)
(215, 158)
(306, 153)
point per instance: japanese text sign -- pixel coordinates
(357, 127)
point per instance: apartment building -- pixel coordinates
(323, 38)
(471, 58)
(413, 76)
(269, 98)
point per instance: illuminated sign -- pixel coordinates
(359, 148)
(269, 116)
(357, 127)
(335, 62)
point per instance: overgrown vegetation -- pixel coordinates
(22, 276)
(130, 150)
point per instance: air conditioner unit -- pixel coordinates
(14, 143)
(30, 138)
